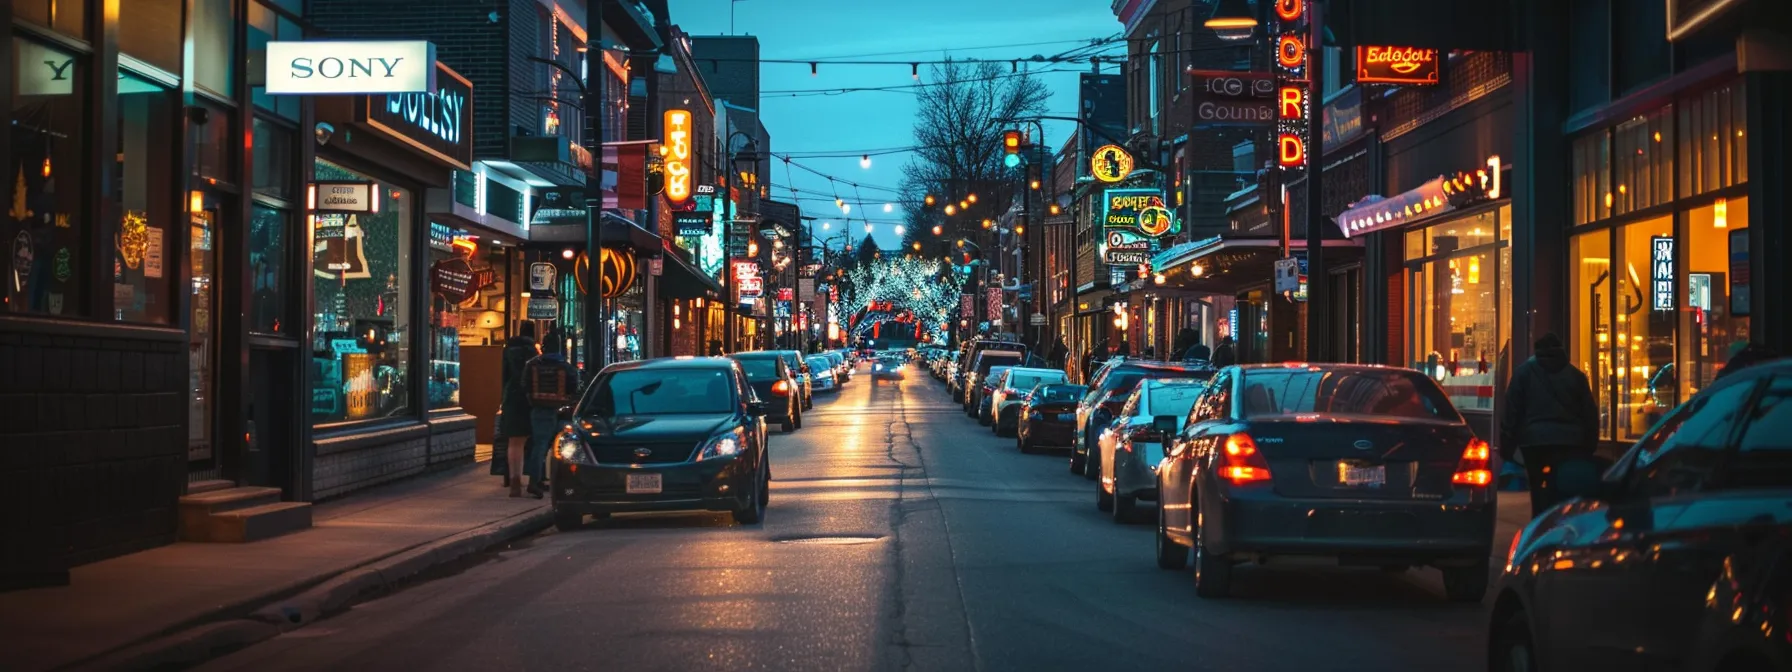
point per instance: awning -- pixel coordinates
(1230, 265)
(680, 280)
(617, 230)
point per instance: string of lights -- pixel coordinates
(1104, 40)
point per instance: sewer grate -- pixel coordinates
(831, 540)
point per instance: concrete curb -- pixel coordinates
(200, 643)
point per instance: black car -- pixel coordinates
(1678, 558)
(775, 383)
(1369, 465)
(1109, 389)
(662, 435)
(1048, 418)
(967, 362)
(799, 373)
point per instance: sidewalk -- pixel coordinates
(151, 601)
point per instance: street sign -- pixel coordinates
(543, 308)
(1037, 318)
(1287, 275)
(541, 277)
(694, 223)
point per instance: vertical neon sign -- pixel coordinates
(678, 155)
(1293, 90)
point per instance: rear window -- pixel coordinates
(1062, 393)
(1028, 381)
(818, 362)
(1174, 399)
(763, 367)
(990, 360)
(1125, 379)
(1387, 393)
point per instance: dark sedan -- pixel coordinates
(775, 383)
(1048, 418)
(662, 435)
(1109, 389)
(1679, 558)
(1368, 465)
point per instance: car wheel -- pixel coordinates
(755, 510)
(1467, 584)
(799, 419)
(1076, 462)
(1213, 572)
(567, 521)
(1170, 555)
(789, 424)
(1125, 508)
(1511, 649)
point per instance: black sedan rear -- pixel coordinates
(1368, 465)
(774, 382)
(1048, 418)
(662, 435)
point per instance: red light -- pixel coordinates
(1011, 141)
(781, 387)
(1240, 445)
(1512, 552)
(1474, 469)
(1242, 463)
(1292, 152)
(1290, 10)
(1291, 52)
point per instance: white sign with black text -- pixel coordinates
(351, 67)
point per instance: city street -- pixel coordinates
(900, 534)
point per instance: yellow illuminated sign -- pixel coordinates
(678, 155)
(1110, 163)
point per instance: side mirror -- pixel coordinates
(756, 408)
(564, 413)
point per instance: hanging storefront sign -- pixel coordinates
(1134, 221)
(678, 155)
(543, 308)
(748, 286)
(453, 279)
(1110, 163)
(1396, 65)
(1342, 119)
(1661, 272)
(351, 67)
(693, 224)
(541, 276)
(438, 123)
(1292, 84)
(339, 250)
(617, 272)
(1226, 98)
(344, 197)
(1442, 194)
(1232, 84)
(1125, 248)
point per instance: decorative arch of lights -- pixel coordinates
(891, 285)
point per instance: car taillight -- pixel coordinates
(1476, 467)
(1512, 553)
(1240, 463)
(781, 387)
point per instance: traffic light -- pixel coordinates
(1011, 141)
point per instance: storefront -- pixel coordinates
(1658, 257)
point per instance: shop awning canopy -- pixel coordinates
(1221, 265)
(617, 230)
(680, 280)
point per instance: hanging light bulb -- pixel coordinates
(839, 202)
(951, 209)
(928, 200)
(865, 161)
(846, 208)
(972, 198)
(867, 227)
(827, 225)
(936, 229)
(889, 207)
(899, 229)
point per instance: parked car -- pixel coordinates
(1015, 389)
(1108, 390)
(822, 375)
(775, 384)
(659, 435)
(967, 364)
(976, 377)
(1678, 558)
(800, 372)
(1363, 464)
(1048, 417)
(842, 368)
(1132, 446)
(887, 367)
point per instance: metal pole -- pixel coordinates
(595, 342)
(1318, 306)
(728, 216)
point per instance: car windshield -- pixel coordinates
(1031, 379)
(660, 392)
(1060, 393)
(1376, 392)
(1174, 399)
(1122, 381)
(819, 364)
(792, 360)
(759, 367)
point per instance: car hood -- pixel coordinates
(655, 428)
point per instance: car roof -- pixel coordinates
(670, 363)
(1033, 369)
(757, 354)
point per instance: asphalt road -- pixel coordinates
(900, 534)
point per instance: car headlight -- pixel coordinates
(571, 449)
(726, 444)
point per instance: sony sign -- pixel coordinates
(351, 67)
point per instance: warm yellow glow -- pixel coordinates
(951, 209)
(677, 149)
(1020, 230)
(1231, 23)
(936, 229)
(1721, 214)
(196, 201)
(972, 198)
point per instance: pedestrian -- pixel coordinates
(1185, 339)
(514, 404)
(1097, 354)
(1198, 355)
(1747, 356)
(715, 348)
(1226, 354)
(1058, 353)
(1550, 417)
(552, 383)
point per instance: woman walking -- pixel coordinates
(514, 422)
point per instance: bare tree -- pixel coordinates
(958, 129)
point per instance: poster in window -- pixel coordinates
(152, 254)
(340, 248)
(357, 374)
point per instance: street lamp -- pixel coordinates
(1232, 20)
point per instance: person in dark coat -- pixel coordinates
(1225, 355)
(514, 404)
(1549, 416)
(1185, 339)
(1058, 353)
(544, 414)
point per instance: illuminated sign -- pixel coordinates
(1440, 195)
(1135, 219)
(678, 155)
(351, 67)
(1110, 163)
(1292, 99)
(1661, 272)
(1396, 65)
(439, 123)
(693, 223)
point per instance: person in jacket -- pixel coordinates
(1549, 416)
(514, 424)
(551, 383)
(1226, 354)
(1058, 353)
(1186, 338)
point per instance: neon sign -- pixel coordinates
(1292, 99)
(1396, 65)
(678, 155)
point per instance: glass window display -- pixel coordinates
(361, 318)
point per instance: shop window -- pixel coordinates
(150, 31)
(1711, 330)
(202, 312)
(1643, 343)
(272, 155)
(1713, 149)
(212, 146)
(68, 17)
(266, 25)
(1593, 198)
(214, 45)
(268, 250)
(1590, 317)
(1644, 159)
(361, 314)
(477, 319)
(1454, 306)
(143, 260)
(46, 230)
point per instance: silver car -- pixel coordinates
(1015, 390)
(1131, 447)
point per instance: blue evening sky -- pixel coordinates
(857, 121)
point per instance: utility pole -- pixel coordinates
(728, 215)
(596, 342)
(1318, 304)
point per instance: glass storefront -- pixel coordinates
(1652, 316)
(361, 315)
(47, 228)
(143, 175)
(1457, 298)
(479, 320)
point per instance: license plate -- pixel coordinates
(1066, 417)
(643, 484)
(1355, 476)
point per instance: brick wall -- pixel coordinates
(92, 441)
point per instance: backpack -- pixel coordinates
(549, 383)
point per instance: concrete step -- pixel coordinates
(259, 522)
(201, 487)
(196, 510)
